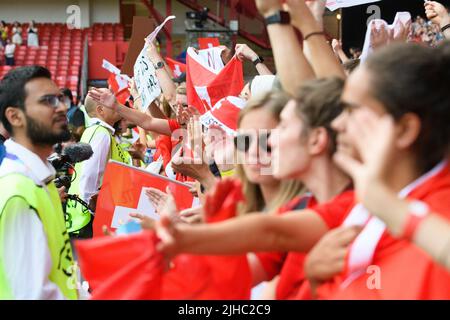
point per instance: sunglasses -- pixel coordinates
(53, 100)
(243, 141)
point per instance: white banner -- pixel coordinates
(145, 78)
(144, 73)
(403, 17)
(336, 4)
(152, 36)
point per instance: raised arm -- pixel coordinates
(438, 14)
(317, 50)
(292, 66)
(140, 119)
(244, 52)
(165, 80)
(249, 233)
(338, 51)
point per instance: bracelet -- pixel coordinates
(418, 211)
(447, 26)
(318, 33)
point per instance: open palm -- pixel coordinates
(104, 97)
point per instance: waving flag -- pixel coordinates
(118, 82)
(177, 67)
(123, 192)
(206, 43)
(125, 267)
(208, 80)
(225, 114)
(129, 267)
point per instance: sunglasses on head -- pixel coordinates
(53, 100)
(243, 141)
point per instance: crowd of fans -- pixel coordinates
(423, 31)
(355, 191)
(11, 37)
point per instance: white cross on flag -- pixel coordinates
(224, 114)
(123, 192)
(208, 80)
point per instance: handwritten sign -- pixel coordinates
(144, 73)
(145, 78)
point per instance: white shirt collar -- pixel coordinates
(102, 123)
(42, 171)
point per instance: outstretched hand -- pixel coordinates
(157, 198)
(104, 97)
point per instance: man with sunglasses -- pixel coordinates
(35, 254)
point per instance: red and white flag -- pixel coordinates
(119, 85)
(206, 43)
(208, 80)
(224, 114)
(123, 192)
(117, 82)
(177, 67)
(130, 267)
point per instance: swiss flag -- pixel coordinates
(208, 81)
(123, 192)
(206, 43)
(177, 67)
(119, 85)
(225, 114)
(130, 267)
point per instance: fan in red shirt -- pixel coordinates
(380, 266)
(309, 164)
(420, 144)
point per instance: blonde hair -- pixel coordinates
(272, 102)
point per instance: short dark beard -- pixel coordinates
(39, 135)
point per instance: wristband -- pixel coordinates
(257, 61)
(318, 33)
(447, 26)
(417, 212)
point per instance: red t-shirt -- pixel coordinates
(292, 276)
(406, 271)
(173, 125)
(272, 262)
(165, 144)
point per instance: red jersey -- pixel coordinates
(401, 269)
(292, 282)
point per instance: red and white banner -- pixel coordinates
(206, 43)
(123, 192)
(208, 80)
(177, 67)
(224, 114)
(130, 267)
(118, 82)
